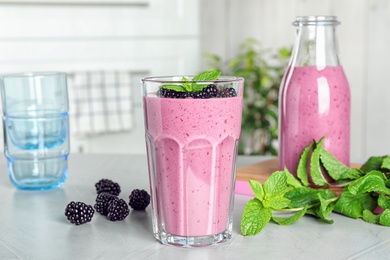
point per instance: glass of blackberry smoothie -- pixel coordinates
(192, 129)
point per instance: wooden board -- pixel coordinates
(262, 170)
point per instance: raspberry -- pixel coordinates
(139, 199)
(227, 92)
(117, 210)
(102, 201)
(79, 213)
(106, 185)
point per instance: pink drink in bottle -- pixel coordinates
(314, 95)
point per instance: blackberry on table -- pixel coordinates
(106, 185)
(117, 210)
(139, 199)
(102, 201)
(227, 92)
(79, 213)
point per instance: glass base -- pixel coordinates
(38, 174)
(197, 241)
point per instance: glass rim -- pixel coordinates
(316, 20)
(172, 79)
(32, 74)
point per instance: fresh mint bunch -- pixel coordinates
(194, 85)
(365, 190)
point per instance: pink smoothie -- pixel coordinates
(314, 103)
(194, 144)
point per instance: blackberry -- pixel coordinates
(169, 93)
(79, 213)
(106, 185)
(117, 210)
(227, 92)
(198, 94)
(102, 201)
(210, 91)
(139, 199)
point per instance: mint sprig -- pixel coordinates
(194, 85)
(365, 190)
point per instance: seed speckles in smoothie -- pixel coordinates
(314, 103)
(193, 142)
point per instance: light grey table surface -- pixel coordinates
(33, 225)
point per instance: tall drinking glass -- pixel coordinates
(35, 125)
(191, 141)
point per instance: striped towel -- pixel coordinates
(99, 102)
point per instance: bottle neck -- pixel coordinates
(316, 45)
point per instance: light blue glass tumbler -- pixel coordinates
(36, 129)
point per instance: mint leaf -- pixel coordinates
(384, 218)
(210, 75)
(291, 180)
(372, 181)
(207, 76)
(257, 189)
(254, 218)
(337, 170)
(373, 163)
(326, 205)
(302, 166)
(192, 86)
(353, 205)
(384, 201)
(178, 88)
(289, 220)
(301, 197)
(370, 217)
(278, 202)
(386, 162)
(276, 184)
(186, 84)
(198, 87)
(315, 169)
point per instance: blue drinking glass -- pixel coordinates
(36, 128)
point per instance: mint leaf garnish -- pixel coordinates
(193, 86)
(198, 87)
(207, 76)
(178, 88)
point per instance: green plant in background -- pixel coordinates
(263, 71)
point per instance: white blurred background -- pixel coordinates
(163, 37)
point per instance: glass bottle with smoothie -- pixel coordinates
(314, 98)
(192, 130)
